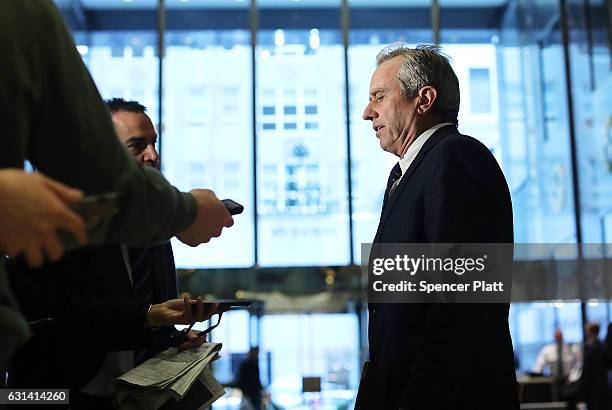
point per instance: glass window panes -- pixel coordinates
(513, 99)
(312, 345)
(207, 140)
(480, 91)
(370, 164)
(302, 205)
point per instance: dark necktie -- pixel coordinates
(140, 262)
(394, 178)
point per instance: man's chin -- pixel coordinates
(386, 147)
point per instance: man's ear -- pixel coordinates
(427, 97)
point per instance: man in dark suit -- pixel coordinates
(446, 188)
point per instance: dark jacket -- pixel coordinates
(89, 295)
(443, 356)
(248, 378)
(594, 380)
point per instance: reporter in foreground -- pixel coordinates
(98, 332)
(52, 115)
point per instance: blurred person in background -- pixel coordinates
(588, 382)
(248, 378)
(548, 363)
(594, 380)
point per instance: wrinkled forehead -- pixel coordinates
(385, 75)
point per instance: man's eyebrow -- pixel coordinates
(140, 139)
(377, 90)
(135, 139)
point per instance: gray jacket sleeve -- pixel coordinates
(53, 115)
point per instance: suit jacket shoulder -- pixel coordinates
(454, 191)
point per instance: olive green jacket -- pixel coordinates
(52, 115)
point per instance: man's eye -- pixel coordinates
(136, 147)
(380, 98)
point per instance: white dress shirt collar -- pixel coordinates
(416, 146)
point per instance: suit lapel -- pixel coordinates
(391, 201)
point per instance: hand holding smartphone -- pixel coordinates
(224, 304)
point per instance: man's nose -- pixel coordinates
(368, 113)
(150, 154)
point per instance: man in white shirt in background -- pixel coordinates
(548, 362)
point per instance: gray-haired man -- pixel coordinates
(446, 188)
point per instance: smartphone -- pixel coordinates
(97, 211)
(224, 304)
(233, 207)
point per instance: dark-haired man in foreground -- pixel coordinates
(52, 115)
(119, 293)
